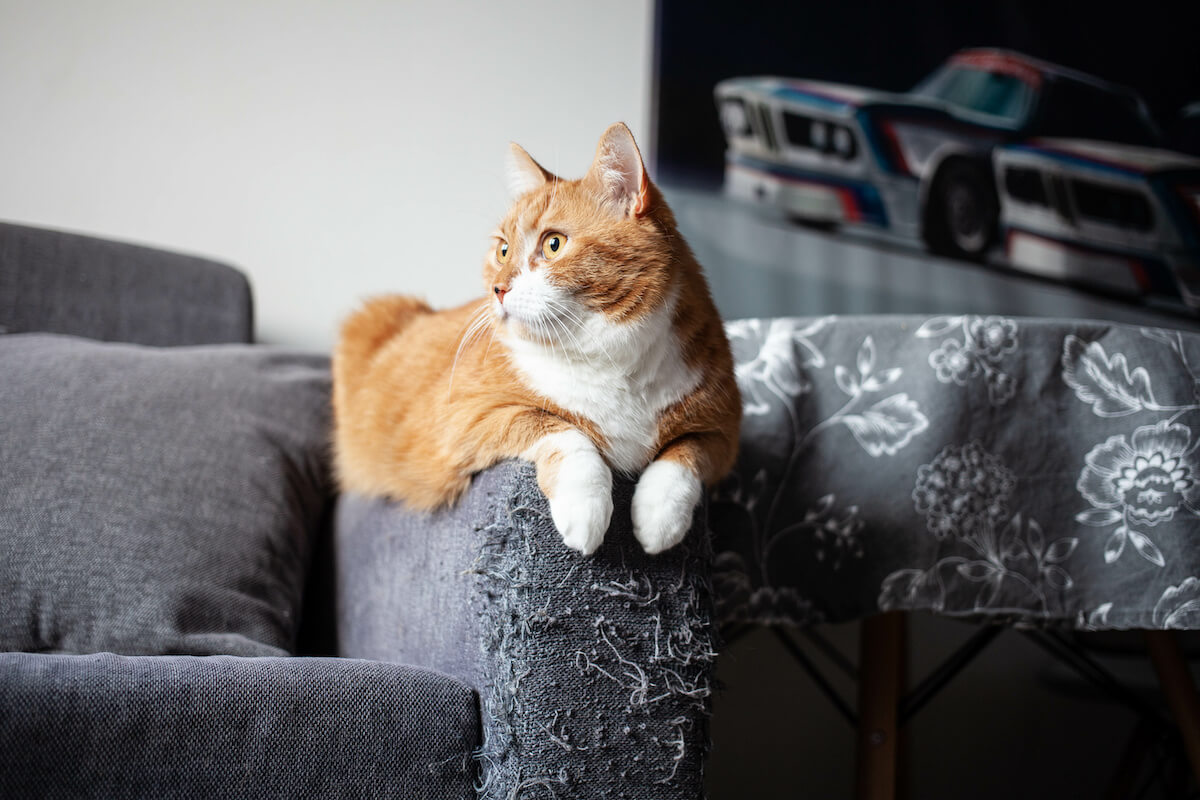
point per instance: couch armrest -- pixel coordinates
(180, 726)
(594, 672)
(56, 282)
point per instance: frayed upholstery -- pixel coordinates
(594, 673)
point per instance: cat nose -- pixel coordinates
(500, 289)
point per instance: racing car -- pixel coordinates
(1063, 170)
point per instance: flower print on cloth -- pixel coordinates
(954, 362)
(1145, 479)
(992, 337)
(1179, 606)
(1106, 383)
(738, 600)
(887, 425)
(962, 490)
(780, 351)
(1148, 477)
(834, 536)
(779, 363)
(1031, 470)
(964, 494)
(985, 343)
(838, 535)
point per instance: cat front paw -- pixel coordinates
(582, 520)
(581, 505)
(663, 504)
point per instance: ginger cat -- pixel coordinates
(597, 348)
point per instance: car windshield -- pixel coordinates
(1005, 97)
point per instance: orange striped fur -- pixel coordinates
(596, 348)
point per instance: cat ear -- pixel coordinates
(524, 174)
(618, 174)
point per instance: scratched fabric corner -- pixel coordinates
(602, 667)
(594, 674)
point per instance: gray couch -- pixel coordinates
(191, 611)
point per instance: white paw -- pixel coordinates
(663, 504)
(581, 505)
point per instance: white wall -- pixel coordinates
(332, 150)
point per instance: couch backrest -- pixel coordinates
(66, 283)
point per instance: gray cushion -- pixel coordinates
(157, 501)
(223, 727)
(55, 282)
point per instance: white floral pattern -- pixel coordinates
(1143, 480)
(985, 344)
(1106, 383)
(778, 363)
(963, 490)
(963, 495)
(776, 371)
(1179, 606)
(872, 478)
(1146, 477)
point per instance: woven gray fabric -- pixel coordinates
(105, 726)
(595, 672)
(65, 283)
(157, 501)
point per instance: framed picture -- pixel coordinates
(995, 158)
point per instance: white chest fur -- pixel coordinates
(626, 377)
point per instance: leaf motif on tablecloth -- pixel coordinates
(938, 326)
(772, 357)
(911, 588)
(1112, 389)
(888, 425)
(1096, 619)
(1179, 606)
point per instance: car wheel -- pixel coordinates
(961, 213)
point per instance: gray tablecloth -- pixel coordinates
(1029, 471)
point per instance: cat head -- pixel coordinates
(581, 258)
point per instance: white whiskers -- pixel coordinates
(476, 324)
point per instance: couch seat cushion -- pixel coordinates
(220, 726)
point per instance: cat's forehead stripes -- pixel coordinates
(531, 216)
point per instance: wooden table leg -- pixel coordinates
(1179, 689)
(881, 681)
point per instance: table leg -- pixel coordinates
(881, 681)
(1180, 691)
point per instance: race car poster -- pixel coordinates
(1042, 161)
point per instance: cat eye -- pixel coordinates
(502, 252)
(553, 244)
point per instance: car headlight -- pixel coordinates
(843, 142)
(819, 134)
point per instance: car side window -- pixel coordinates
(1076, 110)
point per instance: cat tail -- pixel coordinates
(365, 331)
